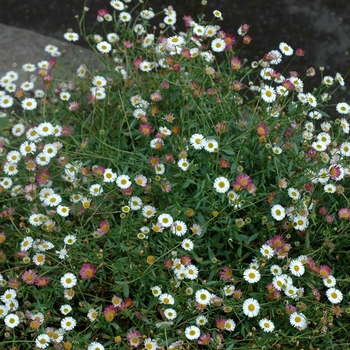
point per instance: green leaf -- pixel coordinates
(4, 123)
(126, 291)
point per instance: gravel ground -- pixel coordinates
(320, 27)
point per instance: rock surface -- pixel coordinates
(320, 27)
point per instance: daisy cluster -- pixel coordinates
(177, 197)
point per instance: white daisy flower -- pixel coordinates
(221, 184)
(311, 99)
(285, 49)
(9, 295)
(296, 268)
(68, 280)
(29, 104)
(71, 36)
(65, 309)
(210, 145)
(179, 228)
(230, 325)
(156, 291)
(344, 125)
(148, 211)
(278, 212)
(229, 289)
(266, 251)
(167, 299)
(343, 108)
(300, 223)
(203, 297)
(268, 94)
(266, 325)
(135, 203)
(329, 188)
(13, 157)
(68, 323)
(276, 270)
(124, 17)
(183, 164)
(251, 307)
(165, 219)
(95, 346)
(298, 320)
(191, 272)
(27, 243)
(104, 47)
(196, 141)
(170, 314)
(123, 181)
(335, 296)
(293, 193)
(251, 275)
(62, 210)
(329, 281)
(218, 45)
(192, 332)
(291, 291)
(27, 147)
(187, 244)
(11, 320)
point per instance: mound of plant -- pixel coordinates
(169, 194)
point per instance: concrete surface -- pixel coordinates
(19, 46)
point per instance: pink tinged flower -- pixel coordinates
(262, 130)
(104, 228)
(128, 44)
(236, 63)
(29, 277)
(204, 339)
(310, 72)
(109, 312)
(185, 260)
(188, 20)
(30, 192)
(237, 85)
(323, 211)
(223, 163)
(242, 181)
(42, 281)
(134, 338)
(226, 273)
(229, 40)
(329, 218)
(247, 39)
(156, 96)
(344, 213)
(251, 189)
(290, 309)
(146, 129)
(336, 172)
(300, 52)
(43, 177)
(137, 62)
(102, 12)
(73, 106)
(220, 324)
(168, 263)
(316, 294)
(169, 158)
(165, 85)
(87, 271)
(324, 271)
(165, 186)
(127, 191)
